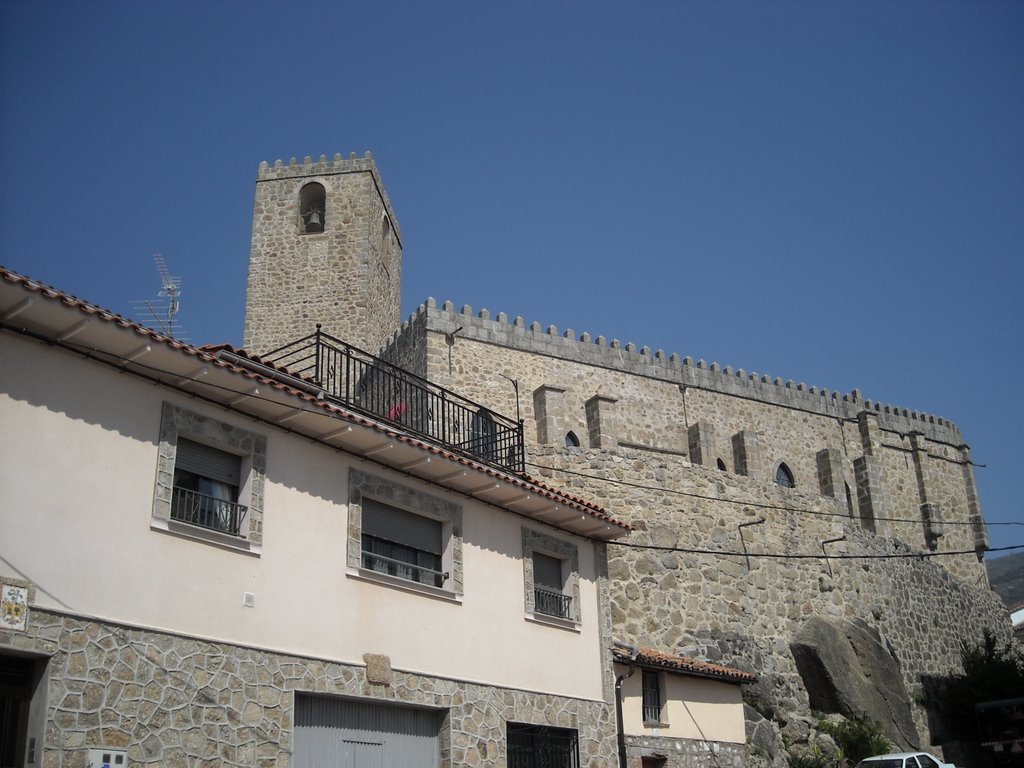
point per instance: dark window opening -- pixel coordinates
(206, 482)
(721, 465)
(784, 477)
(385, 237)
(571, 441)
(313, 207)
(651, 697)
(483, 435)
(849, 500)
(538, 746)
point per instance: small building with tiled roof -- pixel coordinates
(677, 711)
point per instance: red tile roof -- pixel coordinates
(649, 657)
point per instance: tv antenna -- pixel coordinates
(162, 312)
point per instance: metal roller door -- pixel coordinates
(345, 733)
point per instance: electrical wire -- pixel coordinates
(755, 504)
(799, 556)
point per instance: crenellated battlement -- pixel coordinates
(684, 371)
(322, 166)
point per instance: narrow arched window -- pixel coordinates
(385, 235)
(313, 207)
(721, 465)
(571, 441)
(849, 500)
(784, 476)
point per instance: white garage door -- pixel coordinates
(332, 732)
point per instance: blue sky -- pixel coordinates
(826, 192)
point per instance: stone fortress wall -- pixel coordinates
(688, 452)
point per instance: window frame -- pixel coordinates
(536, 542)
(783, 469)
(402, 544)
(408, 500)
(652, 684)
(251, 448)
(206, 491)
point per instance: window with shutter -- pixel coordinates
(548, 587)
(551, 571)
(206, 482)
(402, 544)
(210, 480)
(401, 537)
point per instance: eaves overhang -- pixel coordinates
(290, 404)
(649, 658)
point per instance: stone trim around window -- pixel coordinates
(396, 495)
(176, 422)
(535, 541)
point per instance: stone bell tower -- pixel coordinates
(326, 248)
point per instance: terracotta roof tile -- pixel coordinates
(649, 657)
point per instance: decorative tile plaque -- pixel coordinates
(13, 607)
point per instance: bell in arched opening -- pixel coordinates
(313, 207)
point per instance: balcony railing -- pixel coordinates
(196, 508)
(365, 383)
(403, 570)
(551, 603)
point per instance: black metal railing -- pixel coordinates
(196, 508)
(378, 388)
(551, 603)
(402, 569)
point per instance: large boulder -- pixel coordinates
(848, 670)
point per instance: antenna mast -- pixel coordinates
(162, 313)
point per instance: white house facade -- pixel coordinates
(207, 561)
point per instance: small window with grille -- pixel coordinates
(532, 746)
(651, 696)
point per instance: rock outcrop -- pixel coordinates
(848, 669)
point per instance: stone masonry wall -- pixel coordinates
(729, 610)
(684, 753)
(176, 701)
(347, 277)
(688, 453)
(657, 403)
(747, 427)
